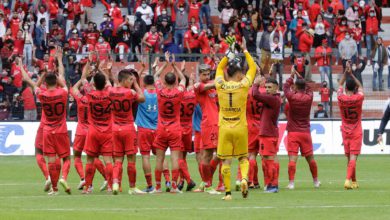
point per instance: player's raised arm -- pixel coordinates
(84, 75)
(161, 69)
(179, 72)
(358, 83)
(251, 73)
(138, 90)
(289, 82)
(61, 69)
(25, 76)
(221, 66)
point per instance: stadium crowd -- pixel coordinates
(336, 30)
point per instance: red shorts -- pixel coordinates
(39, 139)
(268, 146)
(56, 144)
(352, 143)
(253, 139)
(124, 143)
(197, 142)
(79, 143)
(209, 137)
(166, 137)
(145, 140)
(98, 143)
(299, 141)
(186, 140)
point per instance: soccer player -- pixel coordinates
(168, 133)
(124, 134)
(232, 92)
(207, 98)
(351, 102)
(300, 99)
(99, 137)
(55, 133)
(269, 133)
(186, 113)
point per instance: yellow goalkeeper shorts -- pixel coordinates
(232, 142)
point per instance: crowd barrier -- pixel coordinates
(17, 138)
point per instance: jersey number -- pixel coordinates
(190, 107)
(230, 100)
(57, 109)
(98, 109)
(256, 108)
(168, 110)
(119, 106)
(350, 113)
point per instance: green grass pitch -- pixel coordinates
(22, 196)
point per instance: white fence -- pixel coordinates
(17, 138)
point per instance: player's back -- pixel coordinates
(298, 117)
(208, 103)
(147, 112)
(253, 110)
(54, 109)
(122, 100)
(232, 97)
(269, 116)
(351, 112)
(187, 109)
(100, 110)
(169, 103)
(82, 114)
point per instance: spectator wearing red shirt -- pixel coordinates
(91, 36)
(194, 9)
(191, 41)
(75, 10)
(305, 44)
(322, 55)
(321, 30)
(152, 40)
(15, 24)
(19, 43)
(357, 35)
(75, 42)
(325, 94)
(314, 11)
(116, 15)
(103, 48)
(87, 6)
(30, 108)
(52, 5)
(56, 33)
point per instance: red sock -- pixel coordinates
(239, 177)
(131, 173)
(292, 167)
(270, 170)
(120, 175)
(58, 162)
(116, 171)
(65, 169)
(351, 168)
(213, 166)
(166, 175)
(206, 174)
(157, 176)
(148, 178)
(108, 172)
(184, 170)
(54, 172)
(255, 176)
(354, 175)
(100, 167)
(276, 174)
(89, 173)
(265, 172)
(175, 177)
(78, 164)
(313, 169)
(42, 165)
(251, 173)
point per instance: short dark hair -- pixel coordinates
(271, 80)
(350, 85)
(170, 78)
(233, 67)
(148, 80)
(300, 84)
(42, 20)
(124, 75)
(100, 81)
(51, 79)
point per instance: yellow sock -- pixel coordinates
(226, 176)
(244, 167)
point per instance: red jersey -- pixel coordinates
(208, 103)
(17, 75)
(351, 112)
(99, 114)
(103, 50)
(270, 113)
(14, 26)
(193, 11)
(253, 110)
(92, 37)
(53, 9)
(187, 109)
(82, 114)
(324, 91)
(152, 39)
(28, 99)
(298, 117)
(168, 101)
(54, 108)
(122, 108)
(74, 44)
(204, 43)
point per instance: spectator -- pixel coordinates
(352, 14)
(72, 73)
(329, 17)
(266, 49)
(276, 46)
(357, 35)
(340, 30)
(296, 28)
(137, 33)
(28, 45)
(337, 6)
(371, 32)
(347, 49)
(53, 7)
(287, 13)
(122, 48)
(205, 13)
(30, 108)
(323, 55)
(74, 11)
(250, 36)
(266, 12)
(158, 9)
(191, 41)
(379, 59)
(320, 113)
(325, 95)
(164, 27)
(4, 110)
(103, 49)
(91, 35)
(194, 10)
(107, 27)
(321, 30)
(314, 11)
(88, 7)
(56, 33)
(357, 69)
(152, 41)
(40, 39)
(181, 24)
(226, 14)
(147, 14)
(14, 25)
(3, 26)
(305, 44)
(42, 12)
